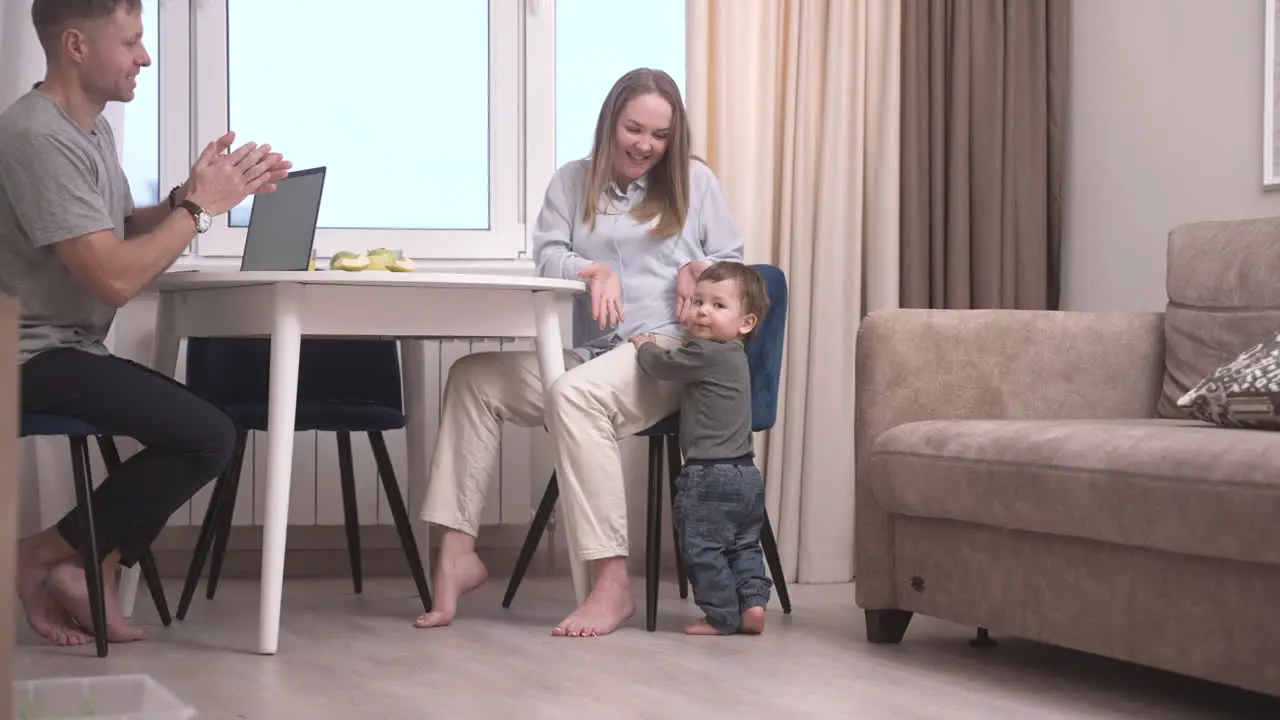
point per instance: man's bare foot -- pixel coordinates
(67, 586)
(44, 615)
(608, 605)
(752, 621)
(456, 576)
(700, 627)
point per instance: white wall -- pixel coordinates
(1164, 127)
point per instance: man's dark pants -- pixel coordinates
(186, 441)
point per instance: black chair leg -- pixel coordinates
(111, 459)
(350, 509)
(204, 542)
(226, 514)
(151, 574)
(674, 465)
(223, 494)
(401, 516)
(653, 558)
(539, 526)
(89, 553)
(769, 544)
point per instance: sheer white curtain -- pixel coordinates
(796, 105)
(22, 65)
(45, 490)
(21, 59)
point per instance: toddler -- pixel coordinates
(719, 503)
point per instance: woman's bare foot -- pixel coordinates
(67, 586)
(458, 571)
(752, 621)
(700, 627)
(45, 616)
(608, 605)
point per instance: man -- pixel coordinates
(73, 249)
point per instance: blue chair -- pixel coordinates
(764, 354)
(344, 386)
(79, 432)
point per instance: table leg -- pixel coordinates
(413, 360)
(164, 360)
(550, 346)
(286, 345)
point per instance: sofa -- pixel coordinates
(1031, 472)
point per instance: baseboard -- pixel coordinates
(321, 551)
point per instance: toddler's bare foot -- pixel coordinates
(700, 627)
(67, 586)
(752, 621)
(456, 575)
(45, 616)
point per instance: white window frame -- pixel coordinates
(507, 238)
(174, 53)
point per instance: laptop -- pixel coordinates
(282, 224)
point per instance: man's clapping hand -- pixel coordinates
(220, 180)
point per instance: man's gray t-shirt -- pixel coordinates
(715, 412)
(57, 182)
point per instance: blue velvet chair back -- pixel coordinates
(234, 372)
(764, 352)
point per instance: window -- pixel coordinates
(405, 148)
(413, 107)
(440, 123)
(140, 136)
(593, 51)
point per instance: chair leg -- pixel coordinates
(111, 459)
(769, 544)
(401, 516)
(226, 514)
(89, 553)
(539, 526)
(151, 574)
(223, 492)
(674, 465)
(653, 553)
(350, 509)
(204, 542)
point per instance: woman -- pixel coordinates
(639, 221)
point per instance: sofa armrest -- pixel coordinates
(988, 364)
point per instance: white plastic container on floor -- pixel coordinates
(109, 697)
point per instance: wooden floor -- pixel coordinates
(343, 656)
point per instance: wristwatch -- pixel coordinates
(202, 218)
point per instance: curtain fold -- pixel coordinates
(984, 87)
(795, 104)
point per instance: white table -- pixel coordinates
(412, 307)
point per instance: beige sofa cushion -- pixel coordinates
(1176, 485)
(1223, 299)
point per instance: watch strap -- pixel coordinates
(192, 208)
(173, 197)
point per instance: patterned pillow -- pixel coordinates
(1244, 393)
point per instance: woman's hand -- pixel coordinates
(641, 339)
(686, 281)
(606, 293)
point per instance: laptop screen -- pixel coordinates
(282, 225)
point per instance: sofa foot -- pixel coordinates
(983, 640)
(887, 626)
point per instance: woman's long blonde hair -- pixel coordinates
(667, 194)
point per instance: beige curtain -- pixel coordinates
(984, 88)
(795, 104)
